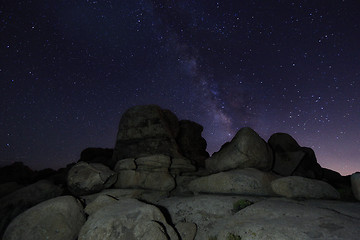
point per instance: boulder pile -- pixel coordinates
(160, 183)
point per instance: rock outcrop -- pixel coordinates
(283, 142)
(159, 183)
(151, 172)
(246, 150)
(291, 159)
(146, 130)
(192, 145)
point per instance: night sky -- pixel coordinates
(69, 69)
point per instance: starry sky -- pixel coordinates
(69, 69)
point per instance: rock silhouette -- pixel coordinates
(97, 155)
(146, 130)
(160, 183)
(246, 150)
(191, 143)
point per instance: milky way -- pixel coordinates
(69, 69)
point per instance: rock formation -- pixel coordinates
(151, 172)
(146, 130)
(246, 150)
(192, 145)
(160, 183)
(291, 159)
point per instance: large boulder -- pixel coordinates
(98, 155)
(191, 143)
(56, 219)
(355, 185)
(248, 181)
(146, 130)
(86, 178)
(125, 218)
(246, 150)
(283, 142)
(150, 172)
(287, 153)
(300, 187)
(292, 159)
(18, 201)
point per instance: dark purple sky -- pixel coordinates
(70, 68)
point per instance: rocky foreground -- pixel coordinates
(160, 183)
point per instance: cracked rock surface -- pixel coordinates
(267, 218)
